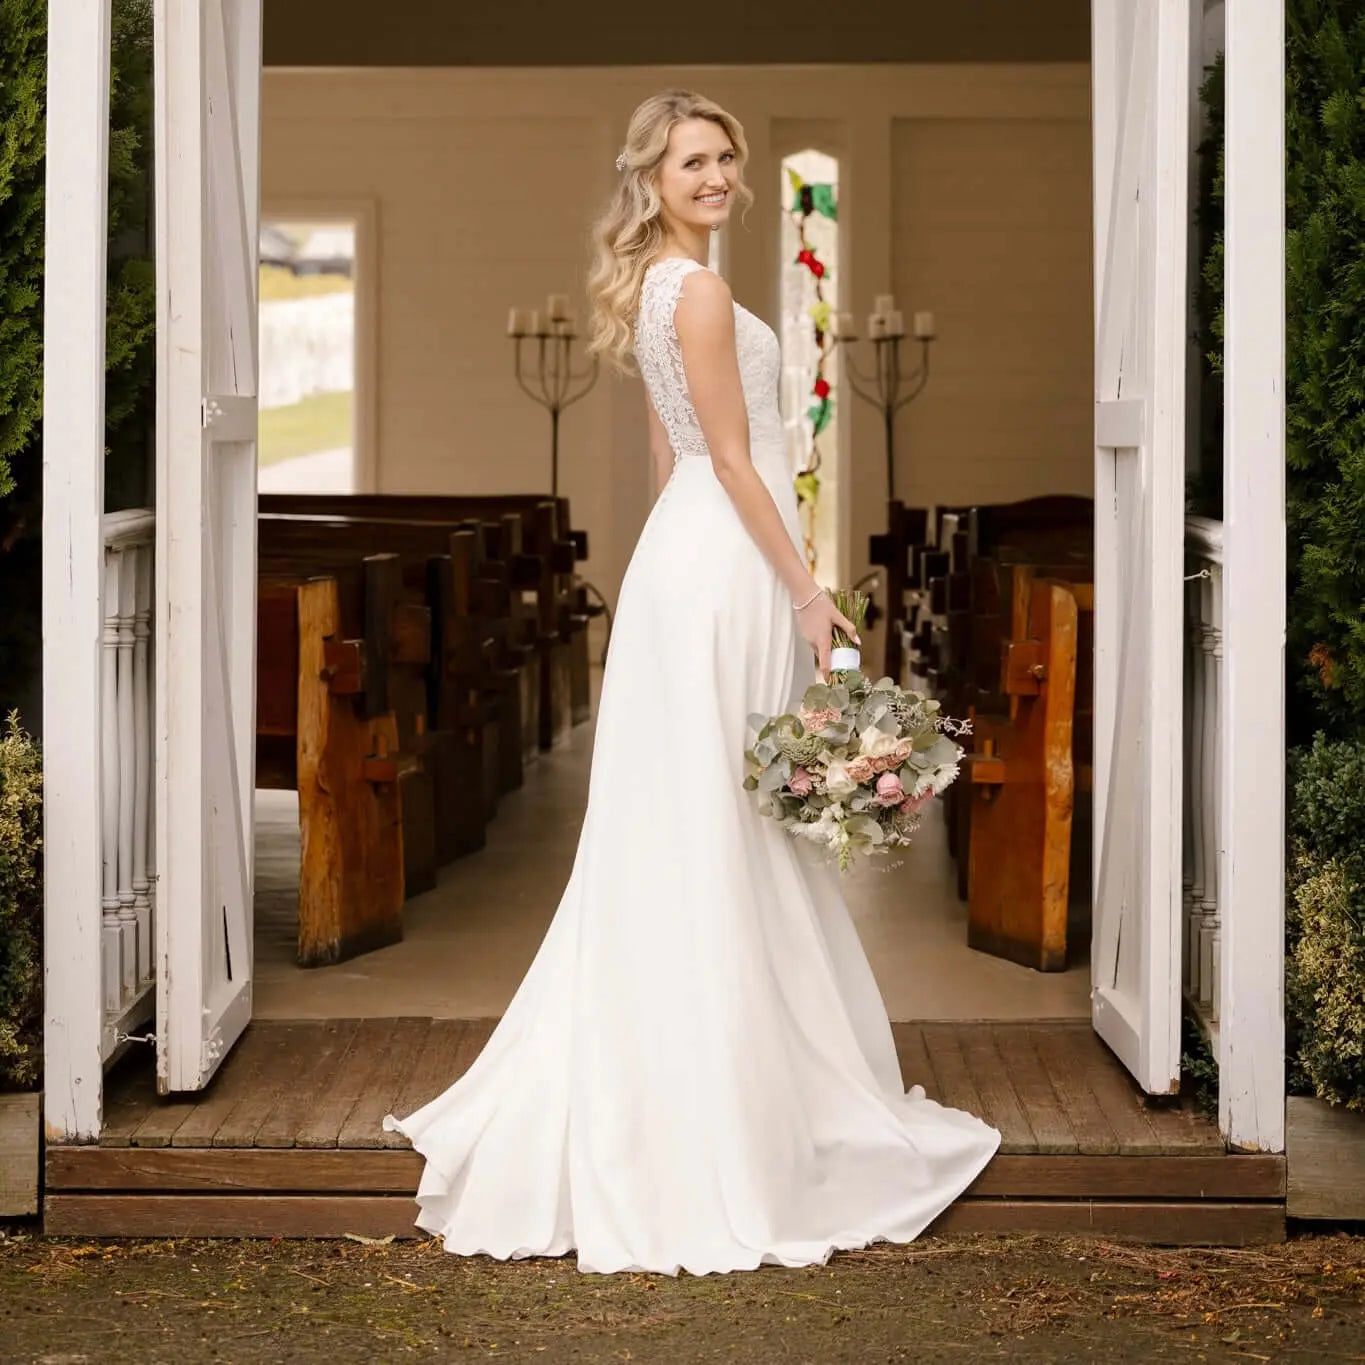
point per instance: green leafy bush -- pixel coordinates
(21, 908)
(1325, 982)
(1325, 376)
(23, 60)
(130, 314)
(1325, 938)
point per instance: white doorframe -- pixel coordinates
(1251, 867)
(75, 236)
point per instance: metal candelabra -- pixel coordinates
(551, 380)
(888, 389)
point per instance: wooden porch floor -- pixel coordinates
(287, 1140)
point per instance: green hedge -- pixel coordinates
(1325, 379)
(131, 309)
(21, 908)
(1325, 486)
(129, 399)
(1325, 942)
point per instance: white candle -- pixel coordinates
(517, 322)
(876, 326)
(557, 306)
(536, 327)
(884, 304)
(842, 326)
(924, 325)
(895, 324)
(566, 323)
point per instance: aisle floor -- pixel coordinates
(468, 942)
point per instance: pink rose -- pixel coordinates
(816, 720)
(889, 789)
(800, 783)
(911, 804)
(860, 769)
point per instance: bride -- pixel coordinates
(697, 1071)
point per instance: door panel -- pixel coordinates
(1140, 75)
(207, 122)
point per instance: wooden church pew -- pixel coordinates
(384, 645)
(547, 535)
(474, 682)
(1022, 779)
(316, 734)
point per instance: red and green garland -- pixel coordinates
(806, 200)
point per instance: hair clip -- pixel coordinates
(621, 162)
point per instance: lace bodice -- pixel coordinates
(659, 357)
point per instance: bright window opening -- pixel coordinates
(307, 357)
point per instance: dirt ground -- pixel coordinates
(962, 1300)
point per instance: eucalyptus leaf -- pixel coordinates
(943, 750)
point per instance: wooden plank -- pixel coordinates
(189, 1215)
(19, 1141)
(130, 1091)
(277, 1070)
(296, 1170)
(1000, 1105)
(957, 1090)
(1325, 1150)
(916, 1068)
(1236, 1178)
(238, 1076)
(1052, 1130)
(1149, 1221)
(1122, 1105)
(105, 1215)
(205, 1170)
(387, 1072)
(432, 1072)
(313, 1075)
(321, 1126)
(162, 1118)
(1059, 1048)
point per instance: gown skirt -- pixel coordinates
(697, 1071)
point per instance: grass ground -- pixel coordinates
(322, 421)
(962, 1300)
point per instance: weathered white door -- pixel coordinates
(208, 65)
(1140, 84)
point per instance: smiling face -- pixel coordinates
(697, 176)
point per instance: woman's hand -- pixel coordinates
(816, 622)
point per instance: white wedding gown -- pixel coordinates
(697, 1072)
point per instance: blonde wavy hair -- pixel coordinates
(630, 232)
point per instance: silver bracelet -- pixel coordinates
(810, 599)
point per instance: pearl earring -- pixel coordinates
(715, 227)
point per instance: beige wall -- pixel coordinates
(964, 188)
(992, 225)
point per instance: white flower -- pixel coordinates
(837, 780)
(877, 743)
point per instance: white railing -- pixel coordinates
(126, 836)
(1203, 822)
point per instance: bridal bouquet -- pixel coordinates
(856, 763)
